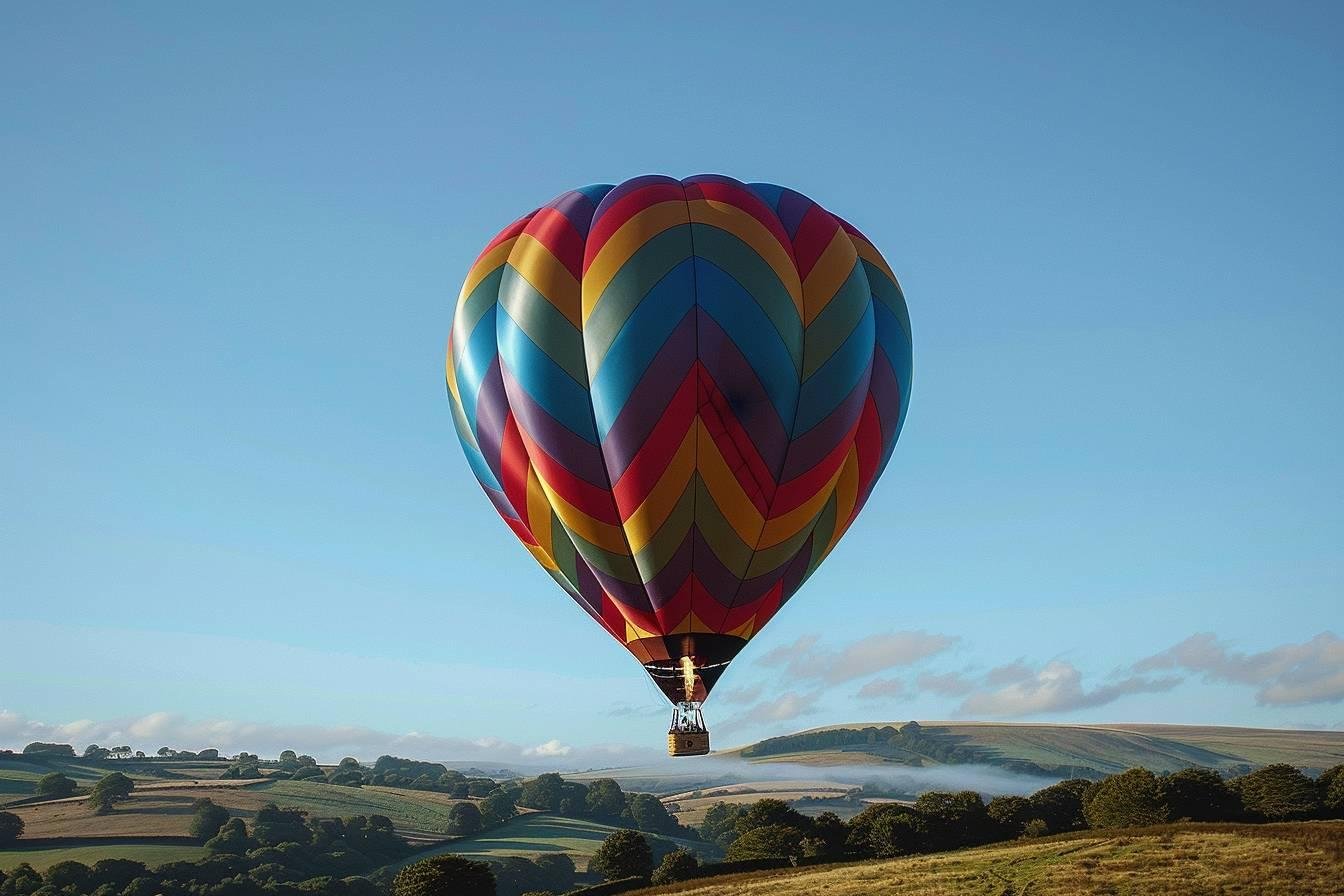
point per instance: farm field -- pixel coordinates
(534, 834)
(165, 809)
(1102, 749)
(152, 854)
(690, 808)
(1303, 859)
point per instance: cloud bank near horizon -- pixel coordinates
(328, 743)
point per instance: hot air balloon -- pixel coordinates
(679, 394)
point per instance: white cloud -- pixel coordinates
(1056, 687)
(784, 708)
(550, 749)
(805, 659)
(882, 688)
(326, 742)
(1287, 675)
(946, 684)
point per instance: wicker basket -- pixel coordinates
(687, 743)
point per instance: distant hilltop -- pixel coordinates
(1090, 751)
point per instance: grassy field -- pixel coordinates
(152, 854)
(690, 808)
(538, 833)
(1305, 859)
(165, 809)
(1108, 748)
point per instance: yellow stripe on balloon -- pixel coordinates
(755, 234)
(624, 243)
(868, 252)
(482, 268)
(539, 516)
(604, 535)
(781, 528)
(846, 494)
(662, 499)
(724, 488)
(828, 275)
(548, 276)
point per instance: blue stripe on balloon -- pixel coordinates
(837, 377)
(472, 365)
(644, 331)
(892, 340)
(545, 381)
(751, 330)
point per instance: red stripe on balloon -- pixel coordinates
(800, 489)
(814, 234)
(739, 196)
(507, 233)
(625, 208)
(653, 457)
(556, 232)
(589, 498)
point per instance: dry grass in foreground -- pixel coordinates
(1304, 859)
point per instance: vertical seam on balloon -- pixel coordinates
(811, 525)
(564, 529)
(695, 421)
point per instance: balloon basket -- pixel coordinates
(687, 735)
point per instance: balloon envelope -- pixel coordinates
(678, 395)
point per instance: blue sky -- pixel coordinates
(234, 506)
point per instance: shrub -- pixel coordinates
(55, 786)
(208, 819)
(624, 854)
(1278, 793)
(678, 865)
(771, 841)
(1128, 799)
(11, 828)
(444, 875)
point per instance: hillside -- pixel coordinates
(1303, 859)
(1063, 750)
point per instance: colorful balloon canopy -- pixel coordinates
(679, 394)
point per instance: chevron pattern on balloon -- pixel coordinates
(679, 395)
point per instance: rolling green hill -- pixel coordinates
(1069, 750)
(1302, 859)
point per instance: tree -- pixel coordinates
(164, 752)
(307, 772)
(1060, 805)
(1278, 792)
(55, 786)
(40, 748)
(1129, 799)
(649, 814)
(464, 819)
(231, 839)
(897, 834)
(210, 753)
(497, 808)
(720, 824)
(770, 841)
(1198, 794)
(111, 789)
(605, 799)
(1009, 815)
(543, 792)
(678, 865)
(446, 875)
(1331, 787)
(557, 871)
(827, 837)
(24, 878)
(11, 828)
(117, 872)
(624, 854)
(69, 874)
(274, 826)
(93, 751)
(770, 813)
(207, 819)
(954, 819)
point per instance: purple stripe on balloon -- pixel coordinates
(501, 503)
(747, 398)
(886, 392)
(631, 594)
(717, 579)
(665, 583)
(492, 410)
(632, 185)
(577, 456)
(648, 401)
(792, 207)
(807, 450)
(578, 209)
